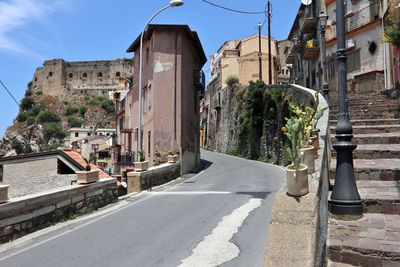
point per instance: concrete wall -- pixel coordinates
(138, 181)
(34, 176)
(24, 215)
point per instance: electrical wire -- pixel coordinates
(233, 10)
(9, 93)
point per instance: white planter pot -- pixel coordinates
(307, 158)
(297, 180)
(86, 177)
(141, 166)
(4, 193)
(172, 158)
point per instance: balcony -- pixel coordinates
(126, 159)
(125, 124)
(309, 21)
(311, 51)
(356, 20)
(199, 80)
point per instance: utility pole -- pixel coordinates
(269, 44)
(259, 53)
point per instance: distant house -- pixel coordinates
(32, 173)
(172, 84)
(77, 133)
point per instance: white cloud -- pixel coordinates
(15, 14)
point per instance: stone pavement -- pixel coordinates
(374, 239)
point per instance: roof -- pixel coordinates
(73, 158)
(192, 35)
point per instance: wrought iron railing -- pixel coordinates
(357, 19)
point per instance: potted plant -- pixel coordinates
(172, 157)
(296, 173)
(142, 164)
(306, 149)
(317, 114)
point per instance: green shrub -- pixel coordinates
(22, 116)
(53, 130)
(108, 105)
(47, 116)
(27, 103)
(231, 80)
(17, 145)
(31, 120)
(35, 110)
(39, 93)
(82, 111)
(28, 92)
(71, 110)
(392, 33)
(74, 122)
(93, 102)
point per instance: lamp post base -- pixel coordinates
(349, 208)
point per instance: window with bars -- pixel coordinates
(353, 61)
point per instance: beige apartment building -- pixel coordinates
(241, 59)
(172, 84)
(367, 66)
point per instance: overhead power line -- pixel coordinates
(233, 10)
(9, 93)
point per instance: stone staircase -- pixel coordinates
(373, 240)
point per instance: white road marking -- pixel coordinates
(174, 193)
(216, 248)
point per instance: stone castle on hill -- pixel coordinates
(58, 77)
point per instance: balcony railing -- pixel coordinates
(356, 20)
(309, 21)
(126, 159)
(199, 80)
(311, 49)
(125, 124)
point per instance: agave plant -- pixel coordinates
(292, 130)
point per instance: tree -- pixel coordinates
(47, 116)
(27, 103)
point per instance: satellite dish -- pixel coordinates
(306, 2)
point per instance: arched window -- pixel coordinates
(118, 74)
(50, 74)
(70, 75)
(84, 75)
(99, 74)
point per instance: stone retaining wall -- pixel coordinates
(27, 214)
(138, 181)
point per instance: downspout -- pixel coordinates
(384, 50)
(175, 81)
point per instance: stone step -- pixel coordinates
(372, 169)
(380, 196)
(337, 264)
(373, 240)
(375, 138)
(375, 151)
(380, 121)
(367, 115)
(365, 129)
(350, 96)
(367, 101)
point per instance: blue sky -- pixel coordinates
(35, 30)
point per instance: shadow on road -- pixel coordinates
(204, 164)
(260, 195)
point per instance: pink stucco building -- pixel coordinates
(172, 84)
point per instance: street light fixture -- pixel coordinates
(345, 199)
(172, 3)
(322, 20)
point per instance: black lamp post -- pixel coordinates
(345, 199)
(322, 19)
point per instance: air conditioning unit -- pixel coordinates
(350, 43)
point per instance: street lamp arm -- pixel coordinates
(139, 144)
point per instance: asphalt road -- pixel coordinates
(218, 217)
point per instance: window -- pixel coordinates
(84, 75)
(372, 48)
(149, 143)
(147, 55)
(50, 74)
(107, 134)
(99, 74)
(70, 76)
(353, 61)
(146, 100)
(76, 134)
(118, 74)
(89, 134)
